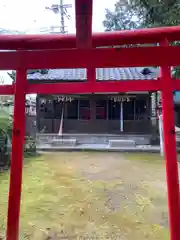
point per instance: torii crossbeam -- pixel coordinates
(80, 51)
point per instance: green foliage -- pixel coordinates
(12, 75)
(5, 123)
(30, 146)
(155, 13)
(133, 14)
(6, 133)
(122, 18)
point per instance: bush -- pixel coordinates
(5, 135)
(30, 146)
(5, 140)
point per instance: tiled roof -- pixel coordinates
(101, 74)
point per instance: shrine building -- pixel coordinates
(106, 113)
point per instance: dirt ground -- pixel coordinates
(91, 195)
(129, 179)
(133, 184)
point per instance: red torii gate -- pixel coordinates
(69, 51)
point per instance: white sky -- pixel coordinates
(32, 15)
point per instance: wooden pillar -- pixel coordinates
(121, 117)
(148, 105)
(37, 112)
(65, 110)
(78, 109)
(107, 110)
(18, 136)
(156, 99)
(134, 108)
(93, 108)
(170, 150)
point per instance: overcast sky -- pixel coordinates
(32, 15)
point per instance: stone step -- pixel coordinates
(63, 142)
(122, 143)
(92, 139)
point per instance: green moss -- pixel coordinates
(56, 200)
(145, 157)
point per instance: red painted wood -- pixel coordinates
(91, 58)
(176, 84)
(6, 89)
(17, 157)
(170, 151)
(84, 11)
(100, 58)
(145, 85)
(91, 74)
(98, 87)
(51, 41)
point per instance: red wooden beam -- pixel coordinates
(176, 85)
(148, 35)
(6, 89)
(98, 87)
(110, 86)
(170, 150)
(16, 157)
(99, 58)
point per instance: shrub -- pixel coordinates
(5, 140)
(5, 136)
(30, 146)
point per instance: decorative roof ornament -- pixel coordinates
(146, 71)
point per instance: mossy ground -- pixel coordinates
(105, 195)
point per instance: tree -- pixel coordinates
(155, 13)
(133, 14)
(122, 18)
(5, 135)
